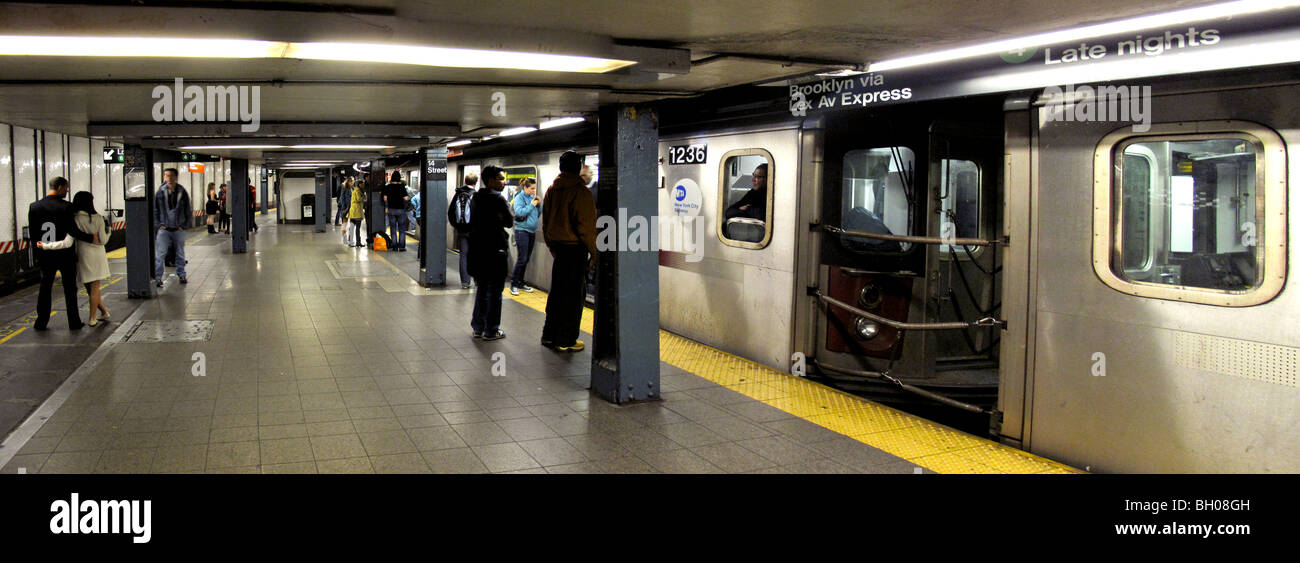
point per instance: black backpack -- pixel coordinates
(458, 212)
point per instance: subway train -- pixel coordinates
(1110, 295)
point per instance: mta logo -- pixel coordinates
(681, 193)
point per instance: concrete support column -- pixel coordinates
(322, 195)
(625, 352)
(376, 218)
(263, 191)
(238, 205)
(137, 172)
(433, 234)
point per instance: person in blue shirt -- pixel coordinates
(527, 207)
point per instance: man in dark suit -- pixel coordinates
(489, 259)
(50, 220)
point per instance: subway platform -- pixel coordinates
(304, 356)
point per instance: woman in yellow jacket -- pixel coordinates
(356, 210)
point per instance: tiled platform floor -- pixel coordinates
(309, 370)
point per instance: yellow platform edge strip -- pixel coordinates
(927, 444)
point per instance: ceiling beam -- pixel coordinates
(146, 130)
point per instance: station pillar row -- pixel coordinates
(625, 349)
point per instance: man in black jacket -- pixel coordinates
(489, 259)
(50, 220)
(457, 215)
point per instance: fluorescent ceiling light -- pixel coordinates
(1240, 7)
(450, 57)
(460, 143)
(517, 131)
(74, 46)
(340, 147)
(139, 47)
(561, 122)
(220, 147)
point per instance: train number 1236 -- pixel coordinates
(688, 154)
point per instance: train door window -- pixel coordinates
(466, 170)
(515, 175)
(877, 197)
(1187, 216)
(959, 199)
(745, 196)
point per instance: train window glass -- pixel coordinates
(878, 196)
(744, 184)
(1184, 216)
(515, 175)
(960, 201)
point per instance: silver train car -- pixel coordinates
(1114, 299)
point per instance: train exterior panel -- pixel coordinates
(1185, 386)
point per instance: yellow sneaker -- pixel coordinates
(578, 346)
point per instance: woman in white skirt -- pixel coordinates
(92, 261)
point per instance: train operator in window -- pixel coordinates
(752, 205)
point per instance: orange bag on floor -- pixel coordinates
(380, 244)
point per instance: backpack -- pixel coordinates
(459, 212)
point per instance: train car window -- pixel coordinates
(960, 202)
(878, 197)
(515, 175)
(1187, 217)
(745, 193)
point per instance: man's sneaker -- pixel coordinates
(578, 346)
(514, 290)
(184, 279)
(464, 286)
(158, 283)
(548, 343)
(478, 335)
(498, 335)
(528, 288)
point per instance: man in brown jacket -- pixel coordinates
(569, 229)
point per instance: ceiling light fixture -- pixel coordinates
(459, 143)
(560, 122)
(1177, 17)
(341, 147)
(516, 131)
(73, 46)
(230, 147)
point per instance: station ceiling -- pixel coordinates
(682, 48)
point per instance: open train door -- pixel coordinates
(1014, 374)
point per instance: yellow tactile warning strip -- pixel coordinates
(925, 443)
(25, 322)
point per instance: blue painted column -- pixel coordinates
(625, 351)
(137, 172)
(433, 235)
(263, 192)
(237, 205)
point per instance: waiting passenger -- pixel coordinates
(212, 208)
(570, 233)
(527, 209)
(395, 200)
(489, 259)
(356, 211)
(458, 217)
(171, 210)
(223, 197)
(345, 201)
(92, 262)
